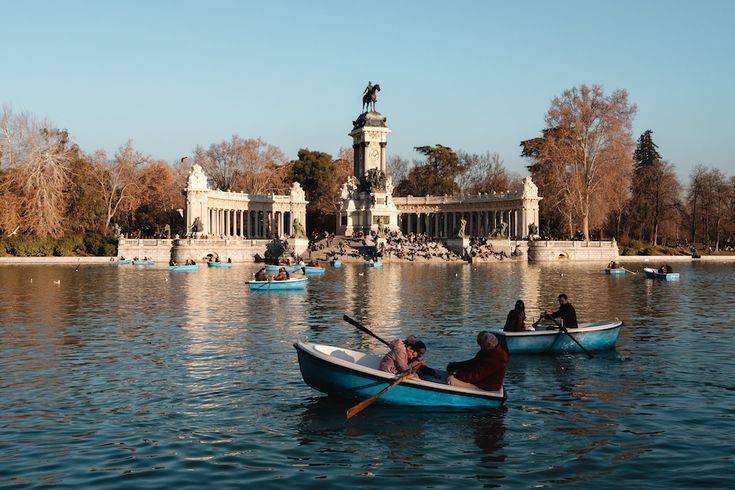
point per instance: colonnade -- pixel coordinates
(249, 224)
(479, 223)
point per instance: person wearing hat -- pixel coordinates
(483, 372)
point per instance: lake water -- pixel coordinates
(136, 377)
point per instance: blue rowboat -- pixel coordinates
(183, 268)
(314, 271)
(355, 375)
(276, 268)
(120, 262)
(373, 264)
(336, 263)
(654, 274)
(615, 272)
(143, 262)
(219, 264)
(287, 285)
(593, 336)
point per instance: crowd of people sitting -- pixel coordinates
(172, 262)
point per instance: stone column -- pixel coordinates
(280, 224)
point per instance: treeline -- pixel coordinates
(597, 181)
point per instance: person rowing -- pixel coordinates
(404, 355)
(666, 269)
(613, 265)
(485, 371)
(260, 275)
(282, 275)
(566, 313)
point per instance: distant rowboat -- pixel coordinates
(654, 274)
(355, 375)
(219, 264)
(287, 285)
(336, 263)
(373, 264)
(593, 336)
(314, 271)
(615, 272)
(143, 262)
(120, 262)
(183, 268)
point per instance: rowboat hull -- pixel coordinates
(120, 262)
(654, 274)
(143, 262)
(289, 285)
(276, 268)
(374, 264)
(183, 268)
(354, 375)
(336, 263)
(596, 336)
(314, 271)
(615, 272)
(219, 264)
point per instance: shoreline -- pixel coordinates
(72, 260)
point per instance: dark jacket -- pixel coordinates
(515, 322)
(568, 314)
(486, 370)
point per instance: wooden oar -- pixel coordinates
(362, 327)
(564, 329)
(366, 403)
(632, 272)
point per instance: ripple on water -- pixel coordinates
(124, 377)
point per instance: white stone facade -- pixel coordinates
(440, 216)
(236, 214)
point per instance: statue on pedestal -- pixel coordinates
(370, 96)
(197, 226)
(298, 229)
(462, 225)
(381, 227)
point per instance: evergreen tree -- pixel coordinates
(646, 153)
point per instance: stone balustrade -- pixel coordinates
(552, 250)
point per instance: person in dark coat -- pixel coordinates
(483, 372)
(566, 312)
(516, 320)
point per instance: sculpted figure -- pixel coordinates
(462, 225)
(370, 96)
(298, 229)
(381, 228)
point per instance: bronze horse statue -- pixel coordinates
(370, 97)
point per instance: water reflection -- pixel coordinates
(191, 378)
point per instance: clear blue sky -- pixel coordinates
(171, 75)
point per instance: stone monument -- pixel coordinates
(367, 196)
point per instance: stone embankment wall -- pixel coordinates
(545, 251)
(181, 249)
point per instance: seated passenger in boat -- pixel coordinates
(566, 312)
(483, 372)
(229, 260)
(403, 355)
(260, 275)
(666, 269)
(516, 320)
(172, 262)
(613, 265)
(217, 260)
(282, 275)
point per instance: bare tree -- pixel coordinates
(485, 173)
(117, 179)
(593, 137)
(246, 165)
(36, 158)
(398, 168)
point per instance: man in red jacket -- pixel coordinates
(485, 371)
